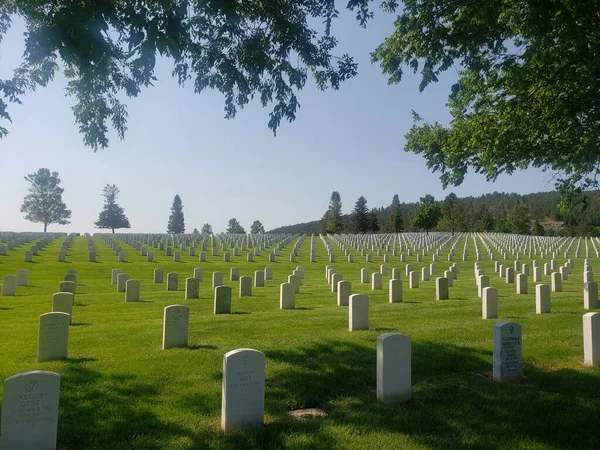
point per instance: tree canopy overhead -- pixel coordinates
(528, 87)
(108, 49)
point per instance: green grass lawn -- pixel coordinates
(119, 390)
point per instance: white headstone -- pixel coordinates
(53, 337)
(591, 339)
(358, 312)
(9, 286)
(343, 293)
(243, 395)
(287, 296)
(489, 303)
(176, 326)
(542, 299)
(30, 410)
(222, 300)
(192, 288)
(393, 368)
(245, 286)
(508, 353)
(132, 291)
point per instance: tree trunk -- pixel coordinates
(113, 230)
(45, 227)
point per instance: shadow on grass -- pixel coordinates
(455, 404)
(235, 313)
(81, 324)
(202, 347)
(5, 308)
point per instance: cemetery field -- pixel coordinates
(120, 390)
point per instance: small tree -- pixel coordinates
(112, 215)
(395, 217)
(234, 227)
(427, 214)
(44, 202)
(195, 232)
(374, 221)
(334, 223)
(176, 223)
(257, 227)
(206, 229)
(360, 216)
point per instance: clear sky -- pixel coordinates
(349, 141)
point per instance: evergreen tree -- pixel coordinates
(112, 215)
(257, 227)
(334, 223)
(374, 221)
(44, 202)
(195, 232)
(360, 216)
(395, 217)
(176, 223)
(428, 214)
(234, 227)
(206, 229)
(538, 229)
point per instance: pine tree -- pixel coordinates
(374, 221)
(112, 215)
(176, 223)
(44, 202)
(334, 223)
(395, 218)
(206, 229)
(360, 216)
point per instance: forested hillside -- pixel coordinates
(537, 213)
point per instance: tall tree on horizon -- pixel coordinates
(112, 215)
(451, 211)
(374, 221)
(395, 224)
(360, 216)
(176, 223)
(333, 216)
(257, 227)
(234, 227)
(206, 229)
(44, 204)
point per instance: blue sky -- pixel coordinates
(349, 140)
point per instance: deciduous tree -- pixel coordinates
(235, 227)
(527, 92)
(43, 203)
(206, 229)
(257, 227)
(107, 50)
(427, 214)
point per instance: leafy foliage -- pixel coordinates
(207, 229)
(235, 227)
(176, 223)
(108, 50)
(257, 227)
(451, 211)
(112, 215)
(43, 203)
(527, 94)
(428, 214)
(360, 216)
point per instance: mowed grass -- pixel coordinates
(119, 390)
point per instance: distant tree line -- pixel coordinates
(542, 213)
